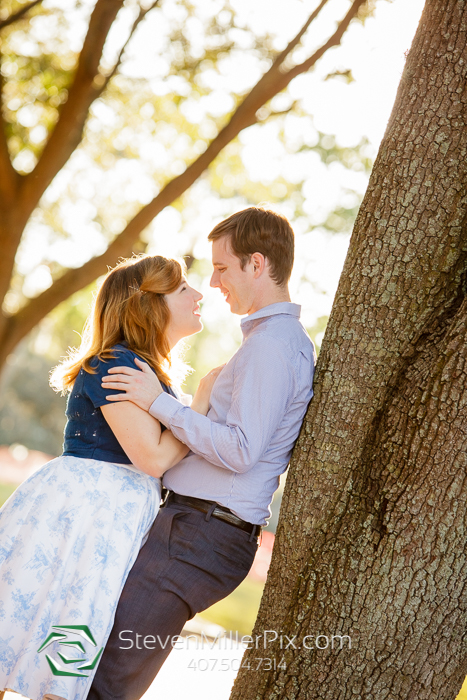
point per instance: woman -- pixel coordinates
(70, 533)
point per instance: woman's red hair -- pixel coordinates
(130, 307)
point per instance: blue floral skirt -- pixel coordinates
(69, 536)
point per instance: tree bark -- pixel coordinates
(372, 538)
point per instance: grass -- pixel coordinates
(5, 491)
(463, 694)
(237, 612)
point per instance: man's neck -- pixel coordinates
(272, 296)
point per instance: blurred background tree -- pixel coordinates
(114, 112)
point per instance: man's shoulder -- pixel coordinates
(267, 343)
(285, 334)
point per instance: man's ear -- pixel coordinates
(259, 263)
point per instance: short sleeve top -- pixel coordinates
(87, 433)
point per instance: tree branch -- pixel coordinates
(9, 178)
(142, 14)
(279, 113)
(275, 80)
(296, 40)
(87, 86)
(334, 40)
(68, 131)
(18, 15)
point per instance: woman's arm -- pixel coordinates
(141, 438)
(140, 435)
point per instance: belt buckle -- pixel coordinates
(165, 493)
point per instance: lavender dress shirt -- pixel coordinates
(257, 406)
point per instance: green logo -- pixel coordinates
(81, 631)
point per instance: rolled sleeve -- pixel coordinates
(263, 387)
(164, 408)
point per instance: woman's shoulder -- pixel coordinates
(113, 356)
(119, 355)
(89, 381)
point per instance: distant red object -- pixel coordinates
(17, 463)
(260, 567)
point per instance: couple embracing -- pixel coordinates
(80, 543)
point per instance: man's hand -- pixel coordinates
(200, 402)
(142, 388)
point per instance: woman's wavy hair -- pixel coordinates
(129, 307)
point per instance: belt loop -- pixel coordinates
(252, 534)
(210, 512)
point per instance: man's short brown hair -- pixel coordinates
(259, 230)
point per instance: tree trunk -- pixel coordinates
(372, 538)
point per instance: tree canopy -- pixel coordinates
(92, 148)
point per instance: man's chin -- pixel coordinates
(235, 309)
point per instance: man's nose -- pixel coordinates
(214, 282)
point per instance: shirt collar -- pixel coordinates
(282, 307)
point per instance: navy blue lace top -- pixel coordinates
(87, 433)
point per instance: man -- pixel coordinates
(204, 539)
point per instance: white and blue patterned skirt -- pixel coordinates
(69, 536)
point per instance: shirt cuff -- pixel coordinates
(164, 408)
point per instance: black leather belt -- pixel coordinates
(218, 512)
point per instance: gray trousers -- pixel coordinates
(189, 562)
